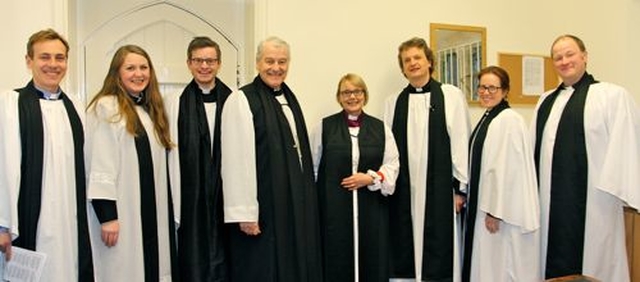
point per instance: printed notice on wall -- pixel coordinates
(532, 75)
(25, 265)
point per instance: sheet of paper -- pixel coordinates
(2, 266)
(25, 265)
(532, 75)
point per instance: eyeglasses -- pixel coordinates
(199, 61)
(347, 93)
(490, 88)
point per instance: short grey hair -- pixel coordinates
(276, 41)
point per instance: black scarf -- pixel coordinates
(200, 241)
(30, 195)
(438, 233)
(148, 211)
(569, 172)
(289, 247)
(476, 145)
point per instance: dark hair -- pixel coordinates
(421, 44)
(45, 35)
(500, 73)
(200, 42)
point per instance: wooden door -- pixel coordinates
(164, 30)
(632, 224)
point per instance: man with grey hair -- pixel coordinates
(269, 194)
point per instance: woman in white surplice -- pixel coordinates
(127, 140)
(501, 237)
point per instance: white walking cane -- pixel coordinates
(355, 235)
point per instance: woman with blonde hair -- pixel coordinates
(356, 164)
(127, 141)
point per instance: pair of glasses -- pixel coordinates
(199, 61)
(347, 93)
(491, 89)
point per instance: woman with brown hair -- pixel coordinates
(501, 236)
(127, 141)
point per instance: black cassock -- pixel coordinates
(288, 249)
(336, 204)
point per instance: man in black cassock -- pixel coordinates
(587, 139)
(430, 122)
(269, 196)
(194, 115)
(43, 202)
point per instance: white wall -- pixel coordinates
(333, 37)
(18, 20)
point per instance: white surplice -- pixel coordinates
(458, 127)
(612, 135)
(57, 234)
(507, 189)
(113, 174)
(172, 106)
(239, 171)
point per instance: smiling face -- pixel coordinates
(351, 97)
(273, 64)
(569, 60)
(204, 64)
(135, 73)
(48, 65)
(489, 83)
(415, 66)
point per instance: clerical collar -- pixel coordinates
(419, 90)
(208, 95)
(206, 89)
(277, 91)
(46, 95)
(353, 121)
(138, 100)
(585, 77)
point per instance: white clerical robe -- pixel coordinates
(57, 234)
(238, 135)
(458, 127)
(113, 174)
(507, 189)
(172, 106)
(612, 135)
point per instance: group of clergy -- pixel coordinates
(132, 188)
(502, 202)
(102, 193)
